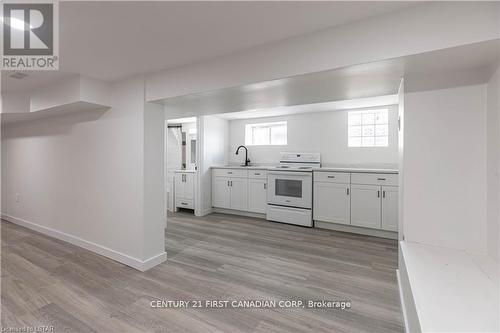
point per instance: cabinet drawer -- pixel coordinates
(184, 203)
(332, 177)
(260, 174)
(374, 179)
(233, 173)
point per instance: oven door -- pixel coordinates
(288, 188)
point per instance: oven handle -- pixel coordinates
(289, 173)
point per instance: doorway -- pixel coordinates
(181, 142)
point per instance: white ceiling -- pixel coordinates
(311, 108)
(115, 40)
(463, 65)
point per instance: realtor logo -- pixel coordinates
(30, 36)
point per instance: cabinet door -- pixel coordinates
(239, 194)
(332, 202)
(221, 192)
(390, 208)
(366, 206)
(179, 185)
(257, 195)
(189, 186)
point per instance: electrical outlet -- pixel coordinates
(18, 197)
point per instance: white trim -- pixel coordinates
(153, 261)
(356, 229)
(96, 248)
(402, 300)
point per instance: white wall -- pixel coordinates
(396, 34)
(323, 132)
(215, 134)
(85, 177)
(493, 165)
(15, 103)
(154, 210)
(445, 168)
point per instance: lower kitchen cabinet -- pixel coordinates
(332, 202)
(221, 192)
(257, 195)
(368, 200)
(366, 206)
(390, 208)
(230, 193)
(239, 189)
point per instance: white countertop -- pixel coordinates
(330, 168)
(356, 169)
(250, 167)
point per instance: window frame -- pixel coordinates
(250, 137)
(373, 124)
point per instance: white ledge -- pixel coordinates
(69, 96)
(453, 291)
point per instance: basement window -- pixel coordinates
(368, 128)
(266, 134)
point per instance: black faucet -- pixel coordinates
(247, 161)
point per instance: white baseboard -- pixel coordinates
(356, 230)
(96, 248)
(153, 261)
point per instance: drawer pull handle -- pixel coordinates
(229, 172)
(383, 194)
(184, 203)
(378, 194)
(257, 174)
(265, 186)
(381, 179)
(348, 191)
(331, 176)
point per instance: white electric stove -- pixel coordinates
(289, 191)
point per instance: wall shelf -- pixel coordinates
(78, 94)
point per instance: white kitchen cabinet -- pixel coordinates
(229, 192)
(366, 206)
(184, 189)
(257, 195)
(239, 190)
(332, 202)
(221, 192)
(389, 208)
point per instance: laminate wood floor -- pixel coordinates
(218, 257)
